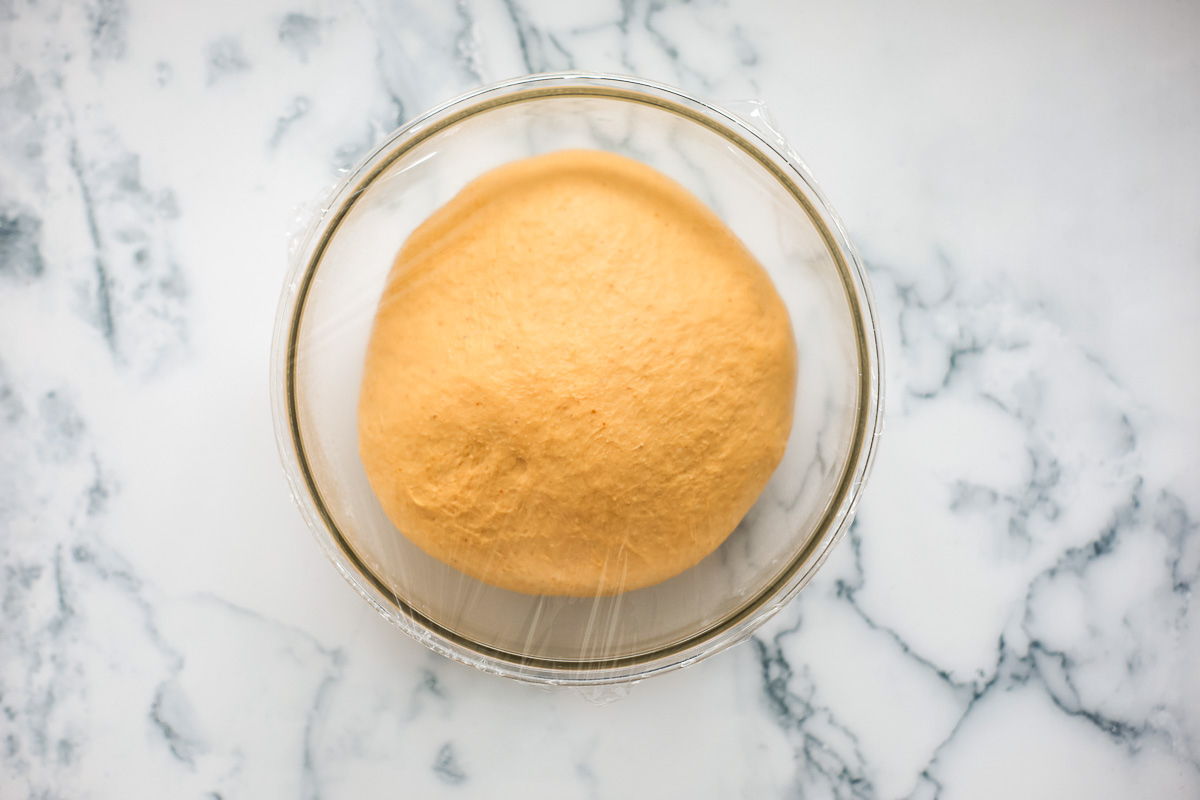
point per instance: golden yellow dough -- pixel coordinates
(579, 380)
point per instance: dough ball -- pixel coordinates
(578, 381)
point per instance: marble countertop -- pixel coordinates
(1013, 614)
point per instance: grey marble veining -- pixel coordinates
(1013, 612)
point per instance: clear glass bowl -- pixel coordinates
(757, 185)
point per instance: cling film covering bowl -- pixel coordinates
(745, 172)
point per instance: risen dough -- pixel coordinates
(579, 380)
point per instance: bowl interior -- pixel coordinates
(337, 309)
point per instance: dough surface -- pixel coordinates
(578, 381)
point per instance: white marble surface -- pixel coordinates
(1014, 613)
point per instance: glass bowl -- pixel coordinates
(762, 191)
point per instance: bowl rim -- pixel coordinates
(772, 152)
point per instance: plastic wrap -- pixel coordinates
(743, 169)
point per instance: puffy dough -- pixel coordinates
(578, 381)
